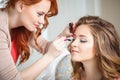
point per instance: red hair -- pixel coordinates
(21, 34)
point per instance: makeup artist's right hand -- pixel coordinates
(56, 47)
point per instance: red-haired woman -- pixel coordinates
(19, 28)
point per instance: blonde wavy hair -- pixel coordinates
(107, 45)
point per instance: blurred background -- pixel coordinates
(72, 10)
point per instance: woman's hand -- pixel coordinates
(68, 31)
(56, 47)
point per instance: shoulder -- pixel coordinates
(4, 22)
(3, 19)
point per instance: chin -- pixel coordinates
(31, 30)
(73, 59)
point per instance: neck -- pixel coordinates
(91, 70)
(13, 18)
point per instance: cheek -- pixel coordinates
(90, 52)
(28, 19)
(87, 47)
(87, 51)
(30, 15)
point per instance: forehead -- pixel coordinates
(83, 30)
(43, 5)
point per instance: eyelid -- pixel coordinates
(83, 40)
(40, 13)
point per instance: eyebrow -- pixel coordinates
(41, 12)
(79, 35)
(82, 36)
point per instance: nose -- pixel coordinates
(41, 20)
(74, 43)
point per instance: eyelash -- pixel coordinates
(82, 41)
(39, 14)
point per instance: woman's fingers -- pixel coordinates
(57, 46)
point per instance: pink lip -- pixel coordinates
(74, 51)
(36, 25)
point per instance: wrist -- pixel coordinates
(49, 57)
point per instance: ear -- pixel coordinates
(20, 6)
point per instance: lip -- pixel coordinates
(36, 25)
(74, 51)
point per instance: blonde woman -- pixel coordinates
(95, 50)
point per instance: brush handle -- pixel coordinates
(71, 27)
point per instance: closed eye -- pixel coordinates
(83, 41)
(40, 14)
